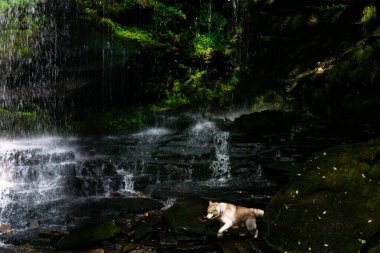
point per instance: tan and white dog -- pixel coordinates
(232, 215)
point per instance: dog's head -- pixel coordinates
(213, 210)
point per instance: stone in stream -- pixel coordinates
(332, 204)
(89, 235)
(267, 122)
(185, 219)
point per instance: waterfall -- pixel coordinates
(206, 133)
(39, 173)
(221, 165)
(33, 172)
(236, 9)
(31, 52)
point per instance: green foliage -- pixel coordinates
(107, 8)
(199, 90)
(131, 33)
(114, 120)
(211, 35)
(184, 31)
(369, 14)
(9, 4)
(165, 14)
(118, 120)
(234, 80)
(22, 121)
(203, 44)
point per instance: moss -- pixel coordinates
(131, 33)
(113, 120)
(18, 122)
(368, 14)
(318, 205)
(374, 172)
(270, 100)
(362, 53)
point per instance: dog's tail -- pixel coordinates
(257, 212)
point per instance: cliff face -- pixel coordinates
(80, 56)
(320, 55)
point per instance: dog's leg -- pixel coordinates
(252, 227)
(225, 227)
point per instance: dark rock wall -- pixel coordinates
(322, 54)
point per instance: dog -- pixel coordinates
(232, 215)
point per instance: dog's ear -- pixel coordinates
(210, 202)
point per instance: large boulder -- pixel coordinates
(332, 204)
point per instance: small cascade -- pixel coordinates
(37, 174)
(33, 173)
(206, 133)
(202, 132)
(127, 180)
(221, 165)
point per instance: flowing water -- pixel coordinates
(41, 176)
(29, 57)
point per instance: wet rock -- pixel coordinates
(128, 247)
(141, 231)
(34, 224)
(5, 228)
(185, 219)
(89, 235)
(62, 157)
(31, 237)
(245, 245)
(331, 204)
(167, 239)
(266, 122)
(112, 207)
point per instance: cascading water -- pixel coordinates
(221, 165)
(48, 178)
(32, 52)
(207, 133)
(38, 175)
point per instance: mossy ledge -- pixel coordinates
(331, 204)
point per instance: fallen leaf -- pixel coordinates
(326, 245)
(369, 221)
(324, 212)
(363, 176)
(335, 168)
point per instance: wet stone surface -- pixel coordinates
(180, 228)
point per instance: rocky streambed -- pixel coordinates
(147, 191)
(149, 228)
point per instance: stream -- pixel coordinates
(48, 181)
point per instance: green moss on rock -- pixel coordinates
(331, 204)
